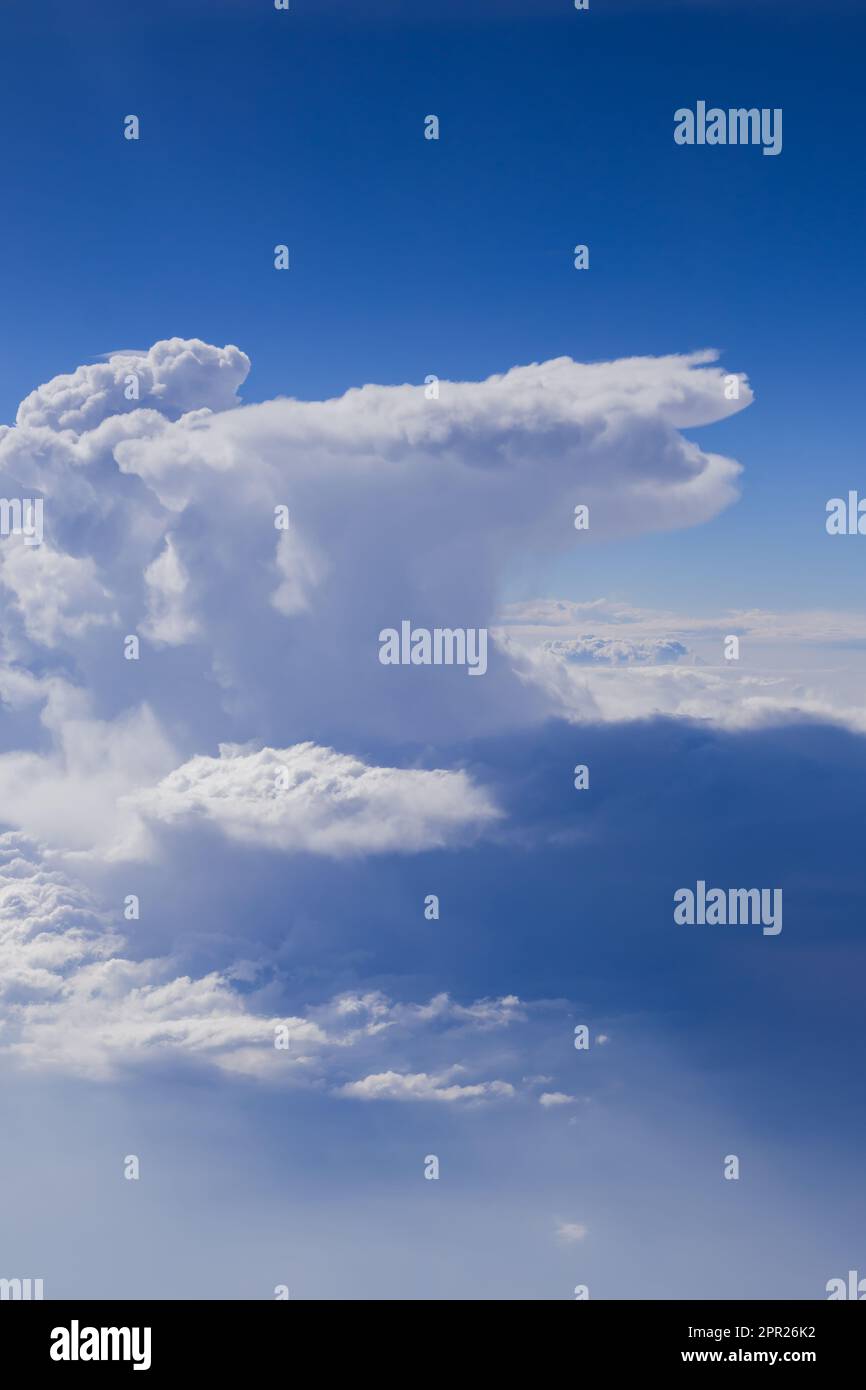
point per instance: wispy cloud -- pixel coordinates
(570, 1231)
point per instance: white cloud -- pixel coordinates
(120, 1013)
(103, 783)
(562, 619)
(601, 661)
(537, 427)
(313, 799)
(72, 1001)
(549, 1098)
(570, 1231)
(167, 583)
(175, 376)
(392, 1085)
(58, 596)
(483, 1014)
(72, 797)
(301, 569)
(400, 507)
(160, 516)
(47, 924)
(590, 650)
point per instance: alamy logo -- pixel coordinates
(721, 907)
(443, 646)
(846, 518)
(737, 126)
(76, 1343)
(855, 1288)
(21, 1288)
(22, 516)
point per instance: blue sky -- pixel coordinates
(453, 257)
(410, 257)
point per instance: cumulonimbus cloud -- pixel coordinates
(254, 554)
(396, 503)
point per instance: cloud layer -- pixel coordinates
(75, 1002)
(601, 661)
